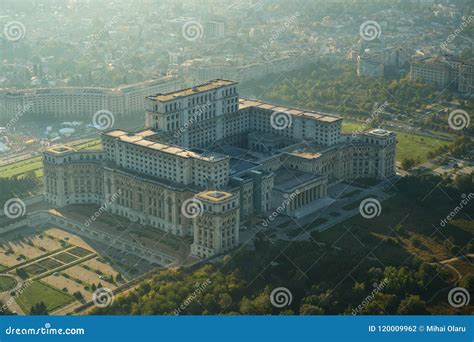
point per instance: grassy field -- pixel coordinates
(21, 168)
(7, 283)
(409, 145)
(416, 146)
(38, 292)
(34, 164)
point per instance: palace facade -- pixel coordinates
(207, 160)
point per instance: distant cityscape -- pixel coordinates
(249, 157)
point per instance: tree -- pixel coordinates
(258, 306)
(21, 273)
(464, 183)
(39, 309)
(382, 304)
(308, 309)
(78, 295)
(225, 301)
(119, 278)
(408, 163)
(4, 311)
(468, 282)
(412, 305)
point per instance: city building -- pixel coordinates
(444, 71)
(379, 60)
(430, 70)
(77, 102)
(370, 66)
(214, 29)
(197, 71)
(207, 160)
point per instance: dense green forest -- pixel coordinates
(336, 270)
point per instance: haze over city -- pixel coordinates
(243, 157)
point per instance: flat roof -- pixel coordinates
(286, 180)
(380, 132)
(244, 103)
(238, 165)
(140, 139)
(308, 150)
(214, 196)
(214, 84)
(60, 149)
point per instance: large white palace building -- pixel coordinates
(77, 102)
(208, 159)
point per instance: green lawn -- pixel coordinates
(35, 164)
(22, 167)
(39, 292)
(416, 146)
(409, 145)
(7, 283)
